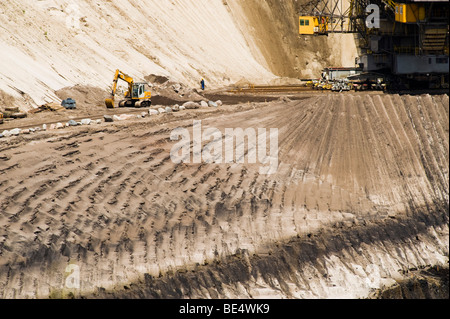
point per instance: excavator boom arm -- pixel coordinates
(122, 76)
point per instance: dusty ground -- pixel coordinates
(427, 283)
(271, 30)
(91, 103)
(52, 45)
(359, 198)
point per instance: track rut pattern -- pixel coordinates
(112, 201)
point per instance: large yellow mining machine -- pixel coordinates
(405, 41)
(137, 95)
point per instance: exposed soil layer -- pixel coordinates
(52, 45)
(430, 283)
(360, 195)
(94, 106)
(280, 271)
(271, 29)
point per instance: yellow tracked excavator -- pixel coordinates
(137, 95)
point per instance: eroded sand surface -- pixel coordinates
(360, 196)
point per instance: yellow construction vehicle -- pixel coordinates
(405, 43)
(313, 25)
(137, 94)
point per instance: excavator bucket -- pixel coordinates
(109, 103)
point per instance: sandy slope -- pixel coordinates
(48, 45)
(271, 30)
(362, 186)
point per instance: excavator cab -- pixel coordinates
(309, 25)
(139, 90)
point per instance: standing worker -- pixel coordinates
(202, 83)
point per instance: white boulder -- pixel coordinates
(6, 133)
(15, 131)
(212, 104)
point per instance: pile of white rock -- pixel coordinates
(46, 127)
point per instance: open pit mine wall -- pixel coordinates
(360, 198)
(51, 44)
